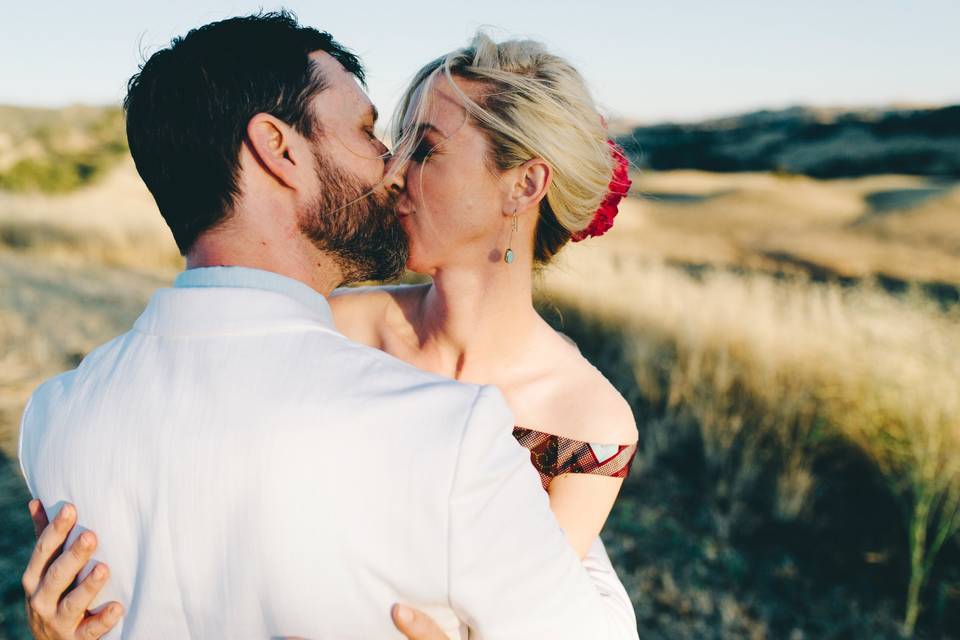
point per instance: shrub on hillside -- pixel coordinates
(72, 154)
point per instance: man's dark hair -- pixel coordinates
(189, 106)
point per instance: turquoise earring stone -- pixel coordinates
(508, 256)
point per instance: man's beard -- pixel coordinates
(356, 225)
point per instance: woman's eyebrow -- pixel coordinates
(420, 132)
(424, 128)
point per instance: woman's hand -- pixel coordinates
(53, 612)
(415, 624)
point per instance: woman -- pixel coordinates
(504, 160)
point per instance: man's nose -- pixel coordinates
(393, 174)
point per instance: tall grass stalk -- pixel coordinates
(914, 439)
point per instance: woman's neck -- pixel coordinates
(473, 321)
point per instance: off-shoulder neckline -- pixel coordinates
(566, 439)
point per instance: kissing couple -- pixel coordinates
(262, 456)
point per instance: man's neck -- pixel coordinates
(313, 268)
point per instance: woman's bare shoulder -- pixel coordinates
(362, 313)
(588, 404)
(375, 294)
(605, 415)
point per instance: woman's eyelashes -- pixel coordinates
(422, 151)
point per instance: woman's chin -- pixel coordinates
(418, 267)
(421, 264)
(417, 260)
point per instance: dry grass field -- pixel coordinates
(791, 348)
(900, 227)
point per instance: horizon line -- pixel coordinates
(622, 120)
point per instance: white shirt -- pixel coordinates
(252, 473)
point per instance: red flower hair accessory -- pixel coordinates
(618, 188)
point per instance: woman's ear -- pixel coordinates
(274, 145)
(532, 181)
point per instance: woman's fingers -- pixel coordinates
(414, 624)
(75, 604)
(61, 574)
(48, 546)
(52, 612)
(39, 516)
(98, 624)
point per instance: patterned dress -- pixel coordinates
(555, 455)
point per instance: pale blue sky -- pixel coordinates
(652, 61)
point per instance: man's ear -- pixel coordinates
(531, 182)
(275, 146)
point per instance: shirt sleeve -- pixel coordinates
(512, 572)
(608, 585)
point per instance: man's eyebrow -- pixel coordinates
(373, 114)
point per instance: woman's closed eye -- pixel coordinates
(422, 151)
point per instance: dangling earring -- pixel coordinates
(508, 256)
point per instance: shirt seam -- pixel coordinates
(453, 485)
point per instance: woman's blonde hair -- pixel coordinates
(535, 105)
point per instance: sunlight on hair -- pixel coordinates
(536, 105)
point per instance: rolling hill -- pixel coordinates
(818, 142)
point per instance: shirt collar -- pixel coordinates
(247, 278)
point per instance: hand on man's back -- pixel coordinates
(54, 613)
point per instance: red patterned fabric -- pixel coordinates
(555, 455)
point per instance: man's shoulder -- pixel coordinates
(52, 390)
(50, 403)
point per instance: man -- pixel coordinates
(252, 473)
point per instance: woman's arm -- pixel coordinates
(581, 503)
